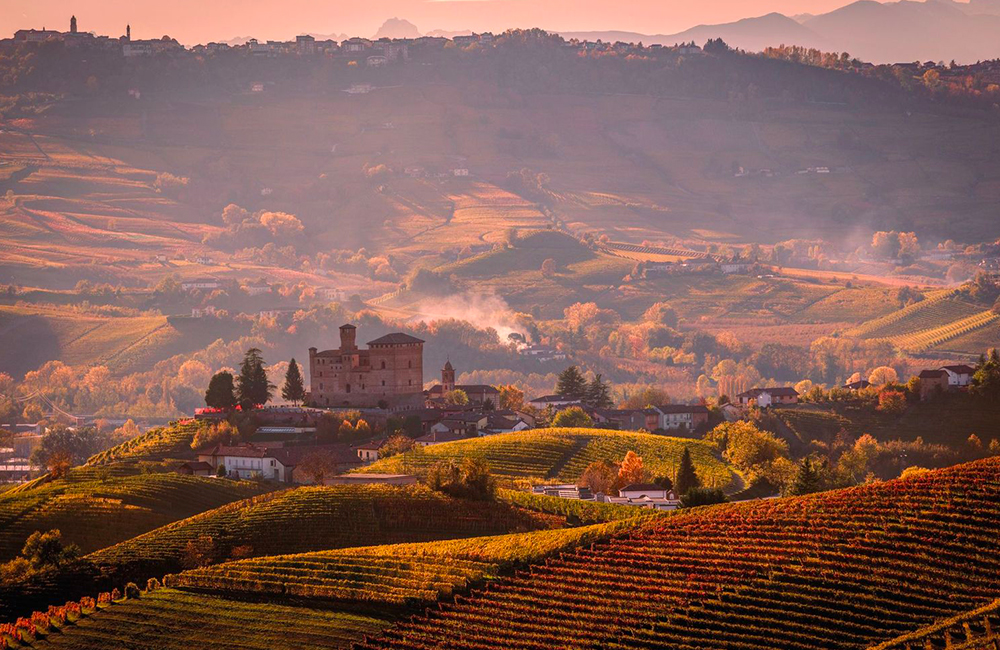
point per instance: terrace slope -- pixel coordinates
(563, 454)
(843, 569)
(95, 508)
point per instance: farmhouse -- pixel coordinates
(467, 424)
(200, 284)
(368, 452)
(932, 382)
(247, 461)
(860, 384)
(388, 374)
(959, 376)
(764, 397)
(437, 438)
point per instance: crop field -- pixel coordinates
(809, 424)
(842, 569)
(855, 304)
(318, 518)
(394, 575)
(176, 620)
(975, 630)
(939, 308)
(563, 454)
(95, 508)
(156, 444)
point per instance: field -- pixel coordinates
(563, 455)
(208, 622)
(942, 320)
(393, 575)
(94, 508)
(809, 424)
(843, 569)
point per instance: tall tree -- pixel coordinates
(252, 387)
(598, 394)
(807, 480)
(221, 392)
(571, 383)
(294, 391)
(687, 476)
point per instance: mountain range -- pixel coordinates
(939, 30)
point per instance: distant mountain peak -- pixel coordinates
(397, 28)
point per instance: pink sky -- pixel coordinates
(199, 21)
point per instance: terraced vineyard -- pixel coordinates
(927, 339)
(95, 508)
(395, 575)
(843, 569)
(575, 511)
(563, 454)
(934, 311)
(155, 444)
(811, 425)
(975, 630)
(317, 518)
(170, 619)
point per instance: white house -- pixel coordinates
(677, 416)
(555, 401)
(437, 438)
(461, 171)
(201, 284)
(959, 376)
(765, 397)
(248, 461)
(368, 452)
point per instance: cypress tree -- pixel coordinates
(220, 393)
(294, 391)
(597, 394)
(571, 383)
(807, 480)
(687, 477)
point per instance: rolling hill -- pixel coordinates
(844, 569)
(95, 508)
(563, 454)
(155, 445)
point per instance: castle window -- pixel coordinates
(348, 388)
(321, 385)
(383, 365)
(409, 364)
(383, 382)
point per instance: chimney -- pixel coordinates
(348, 338)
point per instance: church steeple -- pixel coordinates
(72, 24)
(448, 377)
(128, 32)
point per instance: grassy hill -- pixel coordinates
(95, 508)
(156, 444)
(844, 569)
(563, 454)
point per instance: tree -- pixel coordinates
(43, 550)
(986, 379)
(600, 476)
(892, 402)
(807, 480)
(750, 449)
(883, 375)
(597, 393)
(649, 396)
(687, 477)
(702, 497)
(233, 215)
(469, 480)
(293, 390)
(571, 383)
(397, 444)
(199, 552)
(457, 397)
(548, 268)
(631, 470)
(317, 466)
(221, 392)
(62, 447)
(252, 387)
(511, 398)
(572, 417)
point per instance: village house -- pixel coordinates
(682, 416)
(932, 382)
(389, 374)
(248, 460)
(478, 394)
(467, 424)
(201, 284)
(195, 468)
(257, 288)
(765, 397)
(555, 401)
(368, 452)
(437, 438)
(860, 384)
(959, 376)
(501, 423)
(567, 491)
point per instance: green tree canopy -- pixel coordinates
(687, 476)
(574, 416)
(598, 394)
(221, 392)
(252, 387)
(807, 480)
(293, 390)
(571, 383)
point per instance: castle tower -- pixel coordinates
(72, 24)
(128, 32)
(448, 377)
(348, 338)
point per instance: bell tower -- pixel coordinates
(72, 24)
(448, 377)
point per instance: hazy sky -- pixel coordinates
(199, 21)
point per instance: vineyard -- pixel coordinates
(318, 518)
(393, 575)
(809, 425)
(563, 454)
(842, 569)
(976, 630)
(95, 508)
(926, 339)
(576, 511)
(155, 444)
(169, 619)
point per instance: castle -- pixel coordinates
(389, 374)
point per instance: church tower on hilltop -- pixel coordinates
(448, 377)
(72, 24)
(128, 32)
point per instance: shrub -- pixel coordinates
(152, 585)
(116, 594)
(132, 591)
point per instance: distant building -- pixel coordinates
(368, 452)
(195, 468)
(555, 401)
(305, 44)
(376, 61)
(959, 376)
(437, 438)
(765, 397)
(390, 372)
(932, 382)
(682, 416)
(200, 284)
(860, 384)
(478, 394)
